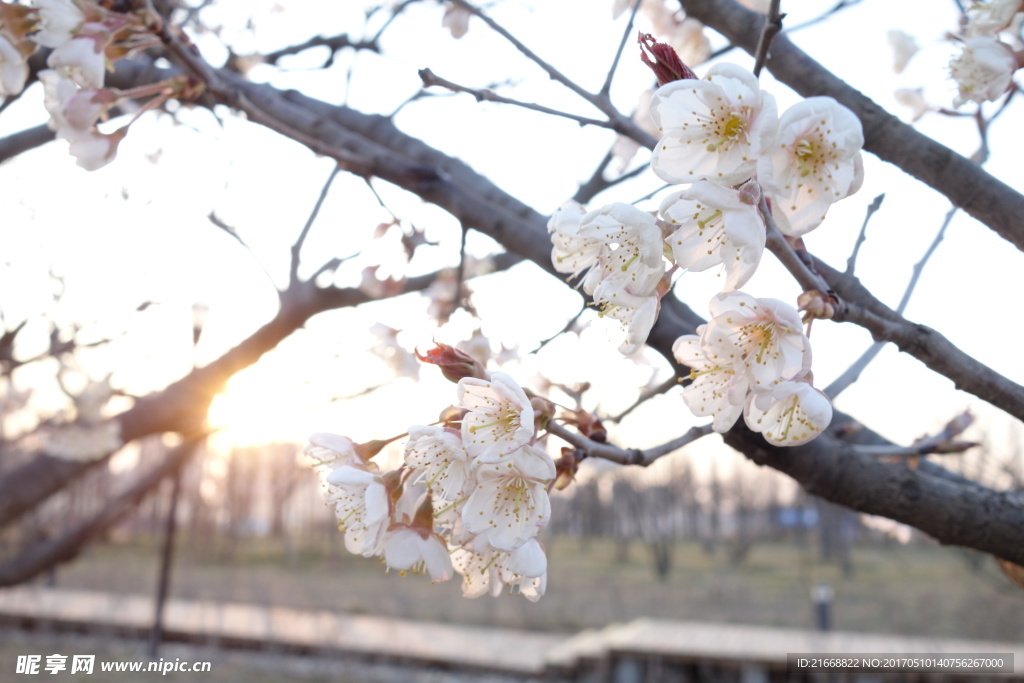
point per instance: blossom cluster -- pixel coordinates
(470, 497)
(84, 37)
(722, 137)
(984, 68)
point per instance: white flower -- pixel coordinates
(715, 228)
(361, 504)
(399, 359)
(792, 413)
(712, 128)
(572, 252)
(903, 48)
(407, 547)
(490, 570)
(814, 162)
(58, 21)
(990, 18)
(716, 389)
(637, 259)
(80, 60)
(438, 458)
(94, 150)
(636, 313)
(762, 337)
(983, 70)
(511, 502)
(500, 417)
(332, 449)
(13, 69)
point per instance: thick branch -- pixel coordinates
(48, 553)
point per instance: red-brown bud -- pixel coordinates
(666, 65)
(454, 364)
(565, 469)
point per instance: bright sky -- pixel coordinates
(137, 230)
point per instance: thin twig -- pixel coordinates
(566, 328)
(630, 456)
(597, 183)
(230, 230)
(772, 26)
(778, 245)
(662, 388)
(626, 34)
(872, 208)
(853, 373)
(429, 78)
(293, 271)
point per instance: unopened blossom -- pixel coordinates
(510, 502)
(904, 46)
(713, 128)
(80, 60)
(717, 389)
(58, 21)
(762, 337)
(361, 504)
(13, 68)
(635, 250)
(814, 162)
(790, 414)
(637, 313)
(716, 228)
(500, 417)
(983, 70)
(489, 571)
(456, 19)
(437, 457)
(988, 18)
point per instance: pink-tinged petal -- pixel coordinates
(376, 504)
(402, 548)
(346, 475)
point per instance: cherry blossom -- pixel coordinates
(790, 414)
(636, 313)
(94, 150)
(361, 504)
(438, 458)
(572, 252)
(713, 128)
(58, 21)
(13, 68)
(983, 70)
(491, 570)
(500, 417)
(637, 259)
(716, 389)
(456, 20)
(716, 227)
(814, 162)
(332, 449)
(80, 60)
(987, 19)
(406, 547)
(903, 48)
(511, 500)
(763, 338)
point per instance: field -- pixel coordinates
(918, 589)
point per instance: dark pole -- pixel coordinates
(166, 558)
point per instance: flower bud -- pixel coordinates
(543, 410)
(817, 305)
(454, 364)
(750, 192)
(565, 468)
(667, 66)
